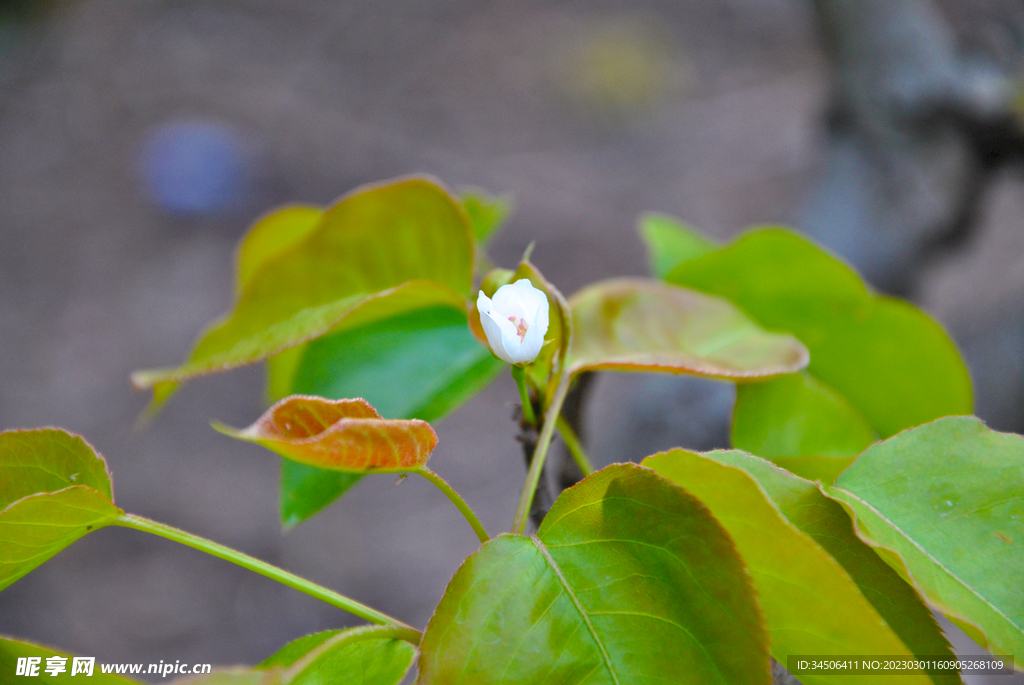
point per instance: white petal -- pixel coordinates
(523, 302)
(497, 329)
(541, 314)
(508, 300)
(483, 303)
(495, 337)
(532, 342)
(529, 297)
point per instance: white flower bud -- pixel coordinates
(515, 321)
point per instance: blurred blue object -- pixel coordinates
(195, 166)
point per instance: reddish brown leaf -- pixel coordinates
(345, 435)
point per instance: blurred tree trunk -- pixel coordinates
(915, 130)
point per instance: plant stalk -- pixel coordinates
(572, 411)
(457, 500)
(575, 447)
(519, 374)
(264, 569)
(540, 454)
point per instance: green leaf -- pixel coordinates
(306, 490)
(254, 336)
(47, 460)
(486, 212)
(367, 655)
(803, 425)
(811, 604)
(670, 242)
(11, 650)
(948, 499)
(876, 362)
(421, 365)
(379, 252)
(54, 489)
(633, 324)
(377, 662)
(296, 649)
(343, 435)
(360, 656)
(628, 580)
(805, 506)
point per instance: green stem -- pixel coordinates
(519, 374)
(540, 453)
(460, 503)
(261, 567)
(572, 442)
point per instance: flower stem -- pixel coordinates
(540, 454)
(572, 442)
(263, 568)
(519, 374)
(457, 500)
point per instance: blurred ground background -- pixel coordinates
(139, 140)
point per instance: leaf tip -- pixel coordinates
(227, 430)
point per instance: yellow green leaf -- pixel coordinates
(381, 251)
(811, 603)
(54, 489)
(634, 324)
